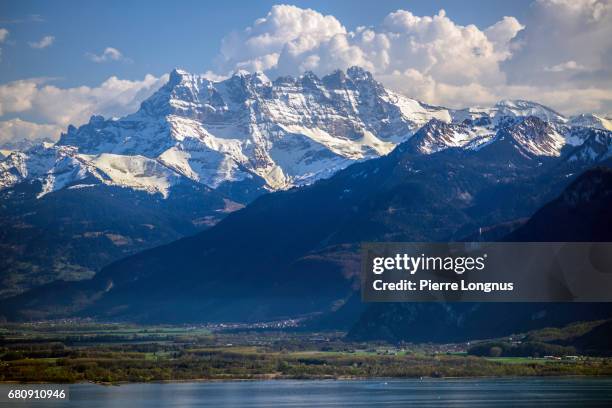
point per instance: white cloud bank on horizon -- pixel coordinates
(561, 56)
(41, 111)
(17, 134)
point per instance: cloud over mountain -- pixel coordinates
(40, 109)
(19, 134)
(560, 54)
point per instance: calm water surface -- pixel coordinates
(500, 393)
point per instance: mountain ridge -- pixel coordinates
(579, 213)
(282, 133)
(292, 240)
(228, 142)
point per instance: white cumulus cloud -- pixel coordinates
(564, 41)
(19, 134)
(39, 109)
(17, 96)
(44, 42)
(284, 28)
(109, 54)
(290, 40)
(561, 54)
(566, 66)
(3, 36)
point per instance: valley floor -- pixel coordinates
(114, 353)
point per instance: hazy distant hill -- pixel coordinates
(581, 213)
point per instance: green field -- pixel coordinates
(521, 360)
(112, 353)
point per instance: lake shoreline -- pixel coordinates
(314, 379)
(508, 392)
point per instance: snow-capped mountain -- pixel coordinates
(197, 150)
(437, 135)
(597, 147)
(590, 120)
(287, 132)
(275, 134)
(292, 241)
(507, 111)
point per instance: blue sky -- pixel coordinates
(158, 36)
(63, 61)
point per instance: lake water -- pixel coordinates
(500, 393)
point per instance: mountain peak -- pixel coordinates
(357, 73)
(591, 120)
(513, 103)
(179, 71)
(296, 130)
(437, 135)
(353, 75)
(532, 121)
(241, 73)
(533, 137)
(261, 76)
(335, 80)
(309, 78)
(96, 119)
(523, 108)
(246, 80)
(520, 104)
(177, 76)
